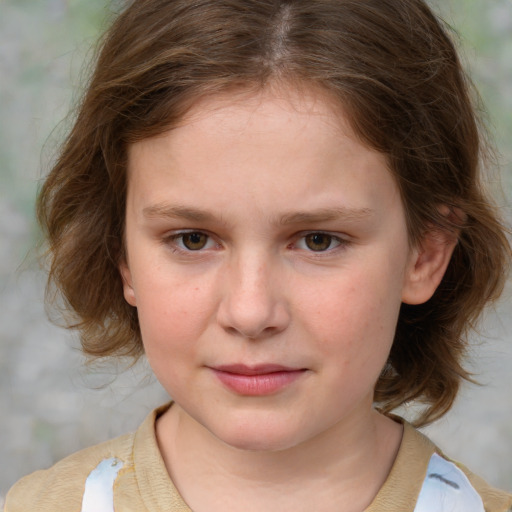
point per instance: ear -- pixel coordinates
(428, 264)
(126, 276)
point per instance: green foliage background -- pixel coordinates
(485, 38)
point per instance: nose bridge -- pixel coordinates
(253, 303)
(252, 271)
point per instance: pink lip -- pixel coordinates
(258, 380)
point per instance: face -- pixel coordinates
(267, 256)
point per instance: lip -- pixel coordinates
(258, 380)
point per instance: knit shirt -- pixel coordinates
(128, 474)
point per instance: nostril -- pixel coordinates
(252, 334)
(252, 304)
(254, 323)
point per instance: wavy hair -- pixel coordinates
(393, 67)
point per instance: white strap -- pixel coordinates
(447, 489)
(99, 486)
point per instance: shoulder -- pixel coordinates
(494, 500)
(450, 482)
(61, 487)
(126, 474)
(424, 479)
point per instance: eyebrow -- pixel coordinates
(326, 215)
(165, 210)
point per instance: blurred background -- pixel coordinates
(50, 403)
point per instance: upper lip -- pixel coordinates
(259, 369)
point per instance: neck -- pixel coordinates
(341, 469)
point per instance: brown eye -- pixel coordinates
(318, 241)
(194, 241)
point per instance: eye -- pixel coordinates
(191, 241)
(194, 241)
(319, 242)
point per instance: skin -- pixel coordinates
(253, 175)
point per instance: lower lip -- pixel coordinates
(258, 385)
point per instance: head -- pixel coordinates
(392, 70)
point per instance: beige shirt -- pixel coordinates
(131, 475)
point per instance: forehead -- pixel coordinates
(272, 153)
(243, 112)
(283, 97)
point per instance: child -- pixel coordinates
(279, 203)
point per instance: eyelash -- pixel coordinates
(332, 240)
(176, 241)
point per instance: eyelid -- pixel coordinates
(171, 239)
(341, 241)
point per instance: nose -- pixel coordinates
(253, 304)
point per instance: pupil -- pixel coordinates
(318, 241)
(194, 241)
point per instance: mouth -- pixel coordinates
(258, 380)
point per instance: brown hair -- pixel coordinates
(394, 69)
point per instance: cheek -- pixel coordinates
(354, 317)
(171, 316)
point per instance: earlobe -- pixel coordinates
(126, 276)
(428, 264)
